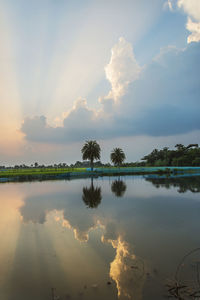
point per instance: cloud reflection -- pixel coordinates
(79, 234)
(126, 270)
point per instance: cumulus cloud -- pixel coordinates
(192, 9)
(121, 71)
(194, 28)
(122, 68)
(79, 123)
(164, 100)
(81, 112)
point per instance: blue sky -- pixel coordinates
(123, 72)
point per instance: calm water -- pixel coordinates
(129, 238)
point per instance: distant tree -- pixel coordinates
(180, 147)
(152, 157)
(91, 150)
(117, 156)
(182, 156)
(192, 145)
(36, 164)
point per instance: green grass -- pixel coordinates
(38, 171)
(46, 171)
(105, 171)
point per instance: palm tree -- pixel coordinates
(117, 156)
(91, 150)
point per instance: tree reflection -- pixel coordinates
(184, 184)
(92, 196)
(118, 187)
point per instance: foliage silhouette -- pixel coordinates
(91, 150)
(117, 156)
(182, 156)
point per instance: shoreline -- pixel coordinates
(26, 176)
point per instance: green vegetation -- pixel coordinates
(182, 156)
(117, 156)
(37, 171)
(164, 161)
(91, 150)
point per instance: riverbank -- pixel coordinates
(40, 174)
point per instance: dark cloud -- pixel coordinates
(164, 101)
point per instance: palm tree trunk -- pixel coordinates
(91, 162)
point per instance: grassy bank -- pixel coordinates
(30, 174)
(37, 171)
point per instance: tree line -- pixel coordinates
(181, 156)
(91, 154)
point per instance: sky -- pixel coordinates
(123, 72)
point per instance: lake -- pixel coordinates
(133, 237)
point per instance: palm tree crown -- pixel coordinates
(91, 150)
(117, 156)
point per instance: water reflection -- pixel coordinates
(186, 282)
(118, 187)
(66, 210)
(92, 196)
(123, 250)
(183, 184)
(127, 270)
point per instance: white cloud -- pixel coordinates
(122, 68)
(156, 104)
(194, 28)
(80, 112)
(192, 9)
